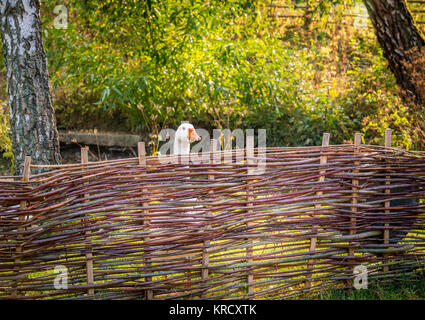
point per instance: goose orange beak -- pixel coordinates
(193, 136)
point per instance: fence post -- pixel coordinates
(141, 152)
(22, 206)
(313, 240)
(89, 253)
(249, 198)
(205, 254)
(388, 144)
(355, 196)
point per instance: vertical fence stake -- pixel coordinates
(205, 254)
(355, 196)
(313, 240)
(388, 144)
(141, 152)
(22, 206)
(249, 198)
(89, 253)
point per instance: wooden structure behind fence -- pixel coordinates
(301, 10)
(144, 228)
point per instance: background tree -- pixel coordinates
(32, 117)
(402, 44)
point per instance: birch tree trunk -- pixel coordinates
(401, 42)
(33, 123)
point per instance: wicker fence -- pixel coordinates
(139, 228)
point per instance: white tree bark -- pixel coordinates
(33, 123)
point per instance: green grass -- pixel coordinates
(412, 289)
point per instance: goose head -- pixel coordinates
(184, 136)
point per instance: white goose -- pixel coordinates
(185, 135)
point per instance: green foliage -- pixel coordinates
(373, 96)
(5, 141)
(218, 64)
(140, 66)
